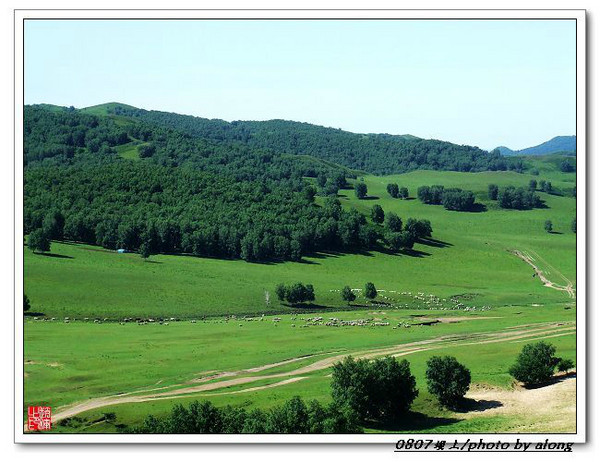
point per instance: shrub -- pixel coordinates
(535, 364)
(447, 379)
(360, 189)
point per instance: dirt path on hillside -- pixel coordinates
(528, 258)
(511, 334)
(546, 409)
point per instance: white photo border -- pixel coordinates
(20, 436)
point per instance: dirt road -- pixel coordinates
(185, 390)
(528, 258)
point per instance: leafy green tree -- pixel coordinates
(548, 226)
(360, 189)
(382, 389)
(564, 365)
(403, 193)
(348, 295)
(393, 222)
(280, 291)
(447, 379)
(26, 304)
(370, 291)
(38, 241)
(377, 214)
(532, 185)
(493, 191)
(535, 364)
(392, 189)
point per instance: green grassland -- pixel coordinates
(472, 257)
(469, 262)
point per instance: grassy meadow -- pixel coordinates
(469, 262)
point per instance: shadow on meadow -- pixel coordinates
(413, 421)
(554, 380)
(54, 255)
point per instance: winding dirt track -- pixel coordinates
(528, 258)
(506, 335)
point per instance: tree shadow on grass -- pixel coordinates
(33, 313)
(153, 261)
(554, 232)
(552, 381)
(434, 242)
(477, 405)
(414, 253)
(370, 198)
(477, 208)
(413, 421)
(54, 255)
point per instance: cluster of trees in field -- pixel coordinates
(295, 293)
(375, 153)
(450, 198)
(399, 235)
(512, 197)
(397, 192)
(130, 204)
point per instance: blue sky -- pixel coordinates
(484, 83)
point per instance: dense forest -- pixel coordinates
(211, 188)
(375, 153)
(183, 196)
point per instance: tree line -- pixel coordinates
(512, 197)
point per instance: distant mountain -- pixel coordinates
(563, 144)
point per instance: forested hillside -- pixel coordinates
(374, 153)
(183, 195)
(211, 188)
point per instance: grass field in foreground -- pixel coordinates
(68, 363)
(472, 257)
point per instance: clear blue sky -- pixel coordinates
(484, 83)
